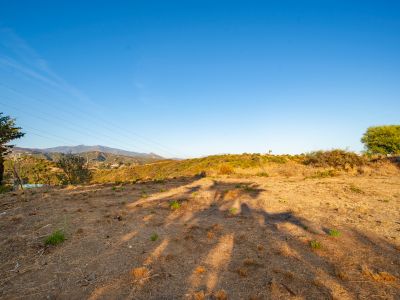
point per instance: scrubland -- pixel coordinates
(223, 227)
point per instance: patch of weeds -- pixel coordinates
(144, 194)
(233, 210)
(324, 174)
(249, 189)
(225, 170)
(154, 237)
(5, 189)
(384, 200)
(355, 189)
(174, 205)
(334, 233)
(57, 237)
(315, 244)
(262, 174)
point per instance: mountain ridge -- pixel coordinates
(84, 148)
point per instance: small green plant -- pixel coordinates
(144, 194)
(233, 210)
(315, 244)
(174, 205)
(154, 237)
(334, 233)
(57, 237)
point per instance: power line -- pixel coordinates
(68, 125)
(97, 118)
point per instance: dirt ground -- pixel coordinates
(229, 239)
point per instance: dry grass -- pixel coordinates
(262, 252)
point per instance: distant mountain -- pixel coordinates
(83, 149)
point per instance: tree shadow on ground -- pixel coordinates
(207, 250)
(222, 240)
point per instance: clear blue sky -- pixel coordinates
(192, 78)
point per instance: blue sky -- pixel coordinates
(192, 78)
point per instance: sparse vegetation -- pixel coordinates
(334, 233)
(174, 205)
(57, 237)
(335, 158)
(154, 237)
(355, 189)
(315, 245)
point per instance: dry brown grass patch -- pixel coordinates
(242, 272)
(200, 270)
(220, 295)
(377, 276)
(199, 295)
(141, 273)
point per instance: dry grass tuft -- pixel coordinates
(140, 273)
(242, 272)
(199, 295)
(200, 270)
(250, 262)
(220, 295)
(377, 276)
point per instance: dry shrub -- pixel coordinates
(225, 170)
(232, 194)
(250, 262)
(377, 276)
(200, 270)
(220, 295)
(242, 272)
(339, 159)
(140, 273)
(199, 295)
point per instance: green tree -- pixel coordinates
(75, 168)
(382, 139)
(8, 132)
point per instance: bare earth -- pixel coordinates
(230, 239)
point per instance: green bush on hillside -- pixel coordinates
(382, 139)
(334, 158)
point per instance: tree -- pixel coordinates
(75, 168)
(8, 132)
(382, 139)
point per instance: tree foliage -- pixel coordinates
(382, 139)
(8, 132)
(75, 168)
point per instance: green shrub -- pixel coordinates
(334, 158)
(334, 232)
(174, 204)
(154, 237)
(57, 237)
(382, 139)
(315, 244)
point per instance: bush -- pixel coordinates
(225, 170)
(382, 139)
(334, 158)
(75, 169)
(5, 189)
